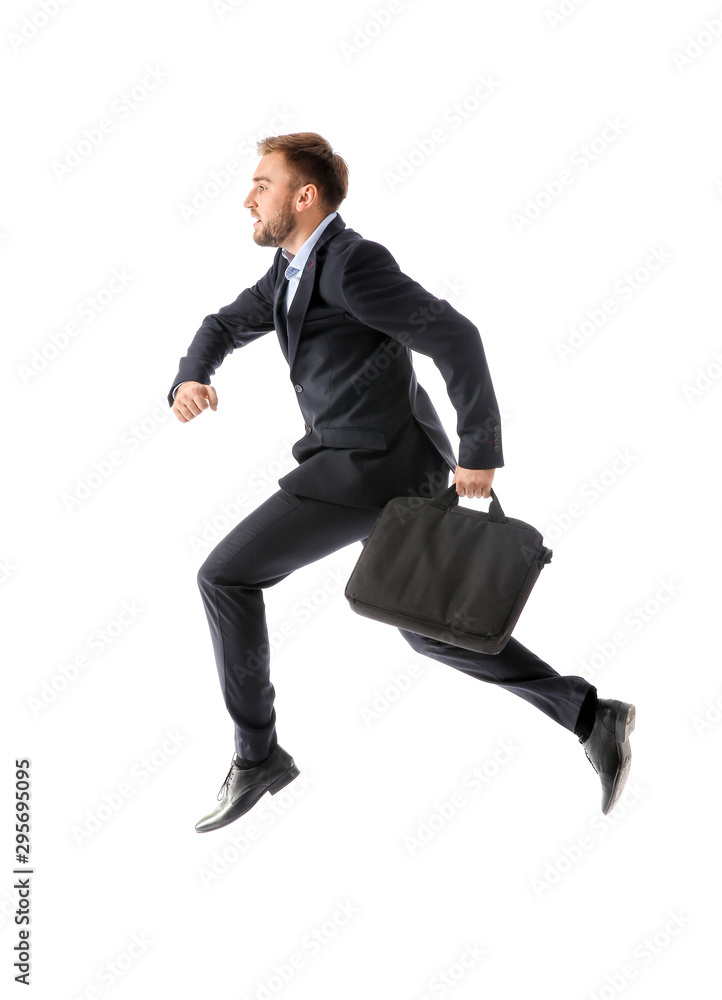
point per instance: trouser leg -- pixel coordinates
(516, 669)
(280, 535)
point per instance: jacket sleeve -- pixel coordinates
(234, 325)
(380, 295)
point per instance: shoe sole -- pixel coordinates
(623, 728)
(249, 801)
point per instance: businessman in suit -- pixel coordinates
(347, 320)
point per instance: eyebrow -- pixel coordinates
(262, 179)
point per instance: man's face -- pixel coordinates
(271, 202)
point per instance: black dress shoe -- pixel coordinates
(607, 747)
(243, 787)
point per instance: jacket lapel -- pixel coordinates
(279, 306)
(293, 324)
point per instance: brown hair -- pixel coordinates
(311, 160)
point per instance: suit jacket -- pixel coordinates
(370, 430)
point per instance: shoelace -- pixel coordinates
(227, 782)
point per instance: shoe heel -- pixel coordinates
(625, 722)
(284, 779)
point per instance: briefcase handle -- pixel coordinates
(448, 498)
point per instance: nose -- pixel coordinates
(250, 200)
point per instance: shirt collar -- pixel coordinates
(299, 259)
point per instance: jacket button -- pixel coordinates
(308, 429)
(497, 448)
(298, 388)
(497, 428)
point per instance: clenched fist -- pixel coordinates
(473, 483)
(192, 398)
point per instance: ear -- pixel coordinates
(307, 198)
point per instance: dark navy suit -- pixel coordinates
(370, 433)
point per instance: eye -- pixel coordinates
(261, 187)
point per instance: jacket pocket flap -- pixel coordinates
(353, 437)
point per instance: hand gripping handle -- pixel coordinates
(449, 497)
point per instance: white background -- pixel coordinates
(557, 900)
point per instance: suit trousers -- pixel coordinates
(286, 532)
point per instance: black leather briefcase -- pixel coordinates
(445, 571)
